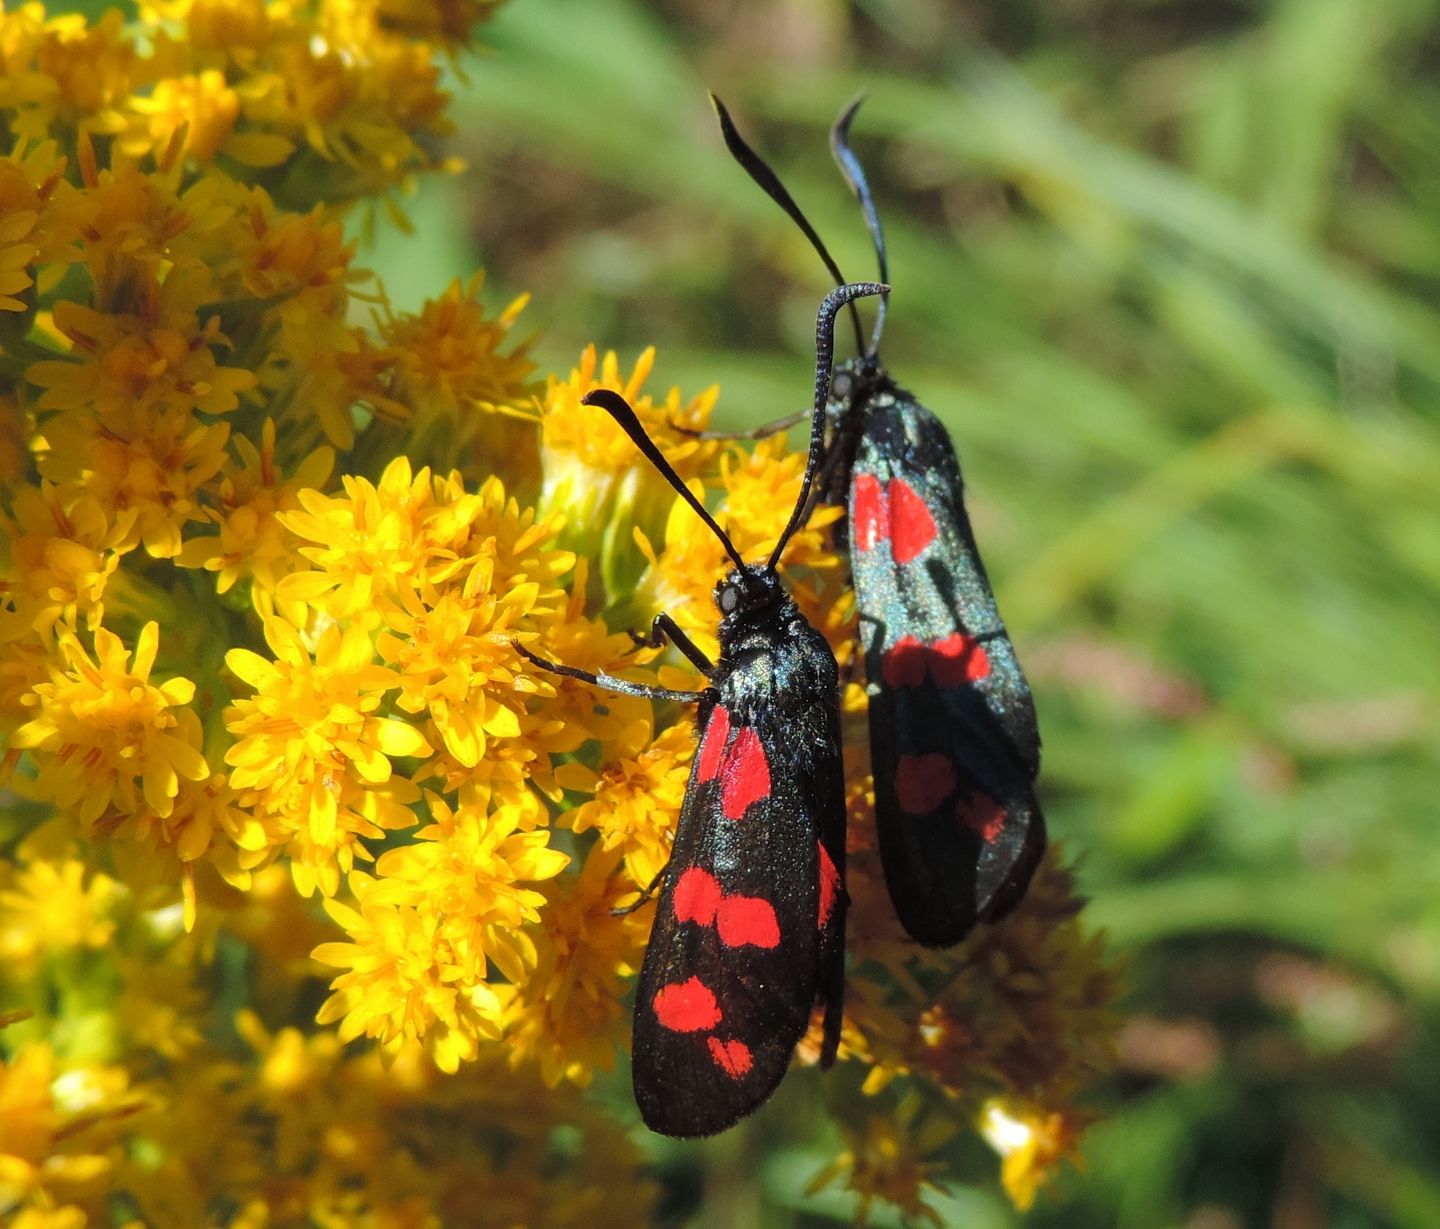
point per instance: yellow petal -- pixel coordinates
(249, 667)
(502, 722)
(398, 738)
(259, 148)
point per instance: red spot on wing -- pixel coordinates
(829, 886)
(982, 814)
(923, 782)
(867, 512)
(747, 919)
(697, 896)
(686, 1007)
(958, 659)
(904, 663)
(712, 746)
(745, 776)
(952, 662)
(912, 528)
(732, 1057)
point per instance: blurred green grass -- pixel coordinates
(1170, 272)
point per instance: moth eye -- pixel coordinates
(842, 386)
(729, 599)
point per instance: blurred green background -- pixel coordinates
(1169, 271)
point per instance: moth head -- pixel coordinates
(747, 593)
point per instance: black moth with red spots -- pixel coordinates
(750, 926)
(953, 737)
(953, 741)
(749, 929)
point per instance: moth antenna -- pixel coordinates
(619, 409)
(855, 176)
(759, 170)
(824, 353)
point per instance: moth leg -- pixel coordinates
(626, 687)
(608, 681)
(662, 629)
(874, 625)
(644, 898)
(763, 431)
(863, 638)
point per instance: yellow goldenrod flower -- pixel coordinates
(120, 422)
(135, 224)
(638, 792)
(252, 543)
(569, 1015)
(64, 73)
(135, 369)
(312, 753)
(380, 547)
(456, 663)
(598, 445)
(891, 1157)
(28, 1121)
(58, 1126)
(449, 366)
(24, 90)
(480, 573)
(24, 662)
(62, 551)
(368, 542)
(206, 821)
(53, 906)
(300, 260)
(1032, 1144)
(218, 31)
(357, 1141)
(426, 928)
(203, 105)
(149, 481)
(299, 265)
(591, 469)
(102, 729)
(360, 103)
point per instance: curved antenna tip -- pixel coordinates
(625, 417)
(841, 126)
(854, 174)
(765, 178)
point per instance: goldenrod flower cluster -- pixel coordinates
(277, 779)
